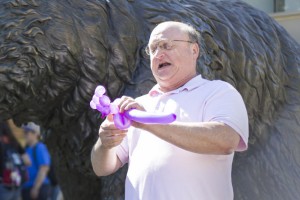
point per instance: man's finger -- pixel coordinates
(112, 141)
(123, 102)
(108, 126)
(110, 132)
(134, 105)
(114, 136)
(110, 118)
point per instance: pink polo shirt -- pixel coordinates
(159, 170)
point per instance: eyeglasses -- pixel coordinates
(164, 45)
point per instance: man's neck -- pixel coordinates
(178, 84)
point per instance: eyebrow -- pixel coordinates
(158, 40)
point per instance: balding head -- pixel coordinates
(187, 29)
(173, 49)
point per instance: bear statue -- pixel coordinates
(54, 53)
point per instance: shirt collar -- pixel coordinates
(190, 85)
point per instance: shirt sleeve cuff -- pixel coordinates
(122, 155)
(243, 143)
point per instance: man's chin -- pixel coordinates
(165, 77)
(164, 81)
(166, 85)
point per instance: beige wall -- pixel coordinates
(291, 22)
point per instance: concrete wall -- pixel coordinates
(290, 19)
(264, 5)
(291, 22)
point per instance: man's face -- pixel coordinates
(30, 137)
(173, 63)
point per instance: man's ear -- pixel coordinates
(195, 50)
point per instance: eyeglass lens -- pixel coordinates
(163, 45)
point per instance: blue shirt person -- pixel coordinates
(39, 156)
(38, 186)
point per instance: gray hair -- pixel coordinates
(193, 34)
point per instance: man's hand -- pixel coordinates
(103, 156)
(34, 192)
(110, 136)
(127, 103)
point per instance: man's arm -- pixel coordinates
(103, 156)
(42, 174)
(104, 161)
(198, 137)
(203, 137)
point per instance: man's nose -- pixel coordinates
(159, 53)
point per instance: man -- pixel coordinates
(192, 157)
(38, 186)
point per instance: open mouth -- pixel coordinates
(162, 65)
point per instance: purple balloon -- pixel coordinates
(95, 99)
(99, 91)
(150, 118)
(104, 100)
(93, 105)
(102, 103)
(114, 109)
(121, 122)
(105, 110)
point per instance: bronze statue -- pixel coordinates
(54, 53)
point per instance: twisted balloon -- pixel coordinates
(103, 104)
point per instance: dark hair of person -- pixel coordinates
(193, 34)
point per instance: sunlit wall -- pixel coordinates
(273, 6)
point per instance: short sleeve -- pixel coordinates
(43, 156)
(123, 151)
(226, 105)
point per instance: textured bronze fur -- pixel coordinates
(54, 53)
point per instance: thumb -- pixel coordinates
(110, 118)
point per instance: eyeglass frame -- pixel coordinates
(147, 49)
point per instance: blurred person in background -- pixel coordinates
(38, 185)
(13, 162)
